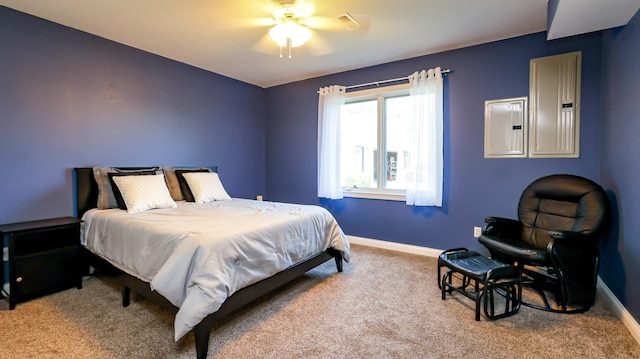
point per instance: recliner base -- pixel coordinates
(541, 291)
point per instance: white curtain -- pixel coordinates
(424, 175)
(330, 100)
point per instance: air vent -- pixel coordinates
(349, 22)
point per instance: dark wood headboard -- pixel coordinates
(85, 188)
(85, 191)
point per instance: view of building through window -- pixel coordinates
(367, 125)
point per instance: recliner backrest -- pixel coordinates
(564, 203)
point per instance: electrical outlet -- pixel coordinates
(5, 254)
(477, 231)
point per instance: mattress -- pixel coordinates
(197, 255)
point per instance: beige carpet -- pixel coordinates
(385, 305)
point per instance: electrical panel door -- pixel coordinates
(505, 128)
(554, 123)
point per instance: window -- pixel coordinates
(383, 143)
(375, 132)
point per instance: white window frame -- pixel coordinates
(379, 93)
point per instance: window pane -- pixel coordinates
(358, 144)
(398, 135)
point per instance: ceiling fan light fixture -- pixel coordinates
(290, 29)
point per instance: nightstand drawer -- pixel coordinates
(38, 241)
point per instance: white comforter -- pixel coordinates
(197, 255)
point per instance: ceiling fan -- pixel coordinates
(295, 23)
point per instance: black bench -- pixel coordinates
(489, 277)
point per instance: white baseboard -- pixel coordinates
(618, 309)
(398, 247)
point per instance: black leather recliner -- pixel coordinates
(555, 240)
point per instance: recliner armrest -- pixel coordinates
(501, 221)
(502, 227)
(571, 237)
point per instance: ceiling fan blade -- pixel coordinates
(252, 23)
(318, 46)
(266, 45)
(324, 23)
(334, 24)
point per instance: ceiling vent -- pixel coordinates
(349, 22)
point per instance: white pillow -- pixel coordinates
(206, 187)
(106, 197)
(141, 193)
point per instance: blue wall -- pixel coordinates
(620, 165)
(475, 187)
(71, 99)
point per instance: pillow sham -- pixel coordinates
(172, 179)
(206, 187)
(141, 193)
(106, 197)
(116, 191)
(184, 187)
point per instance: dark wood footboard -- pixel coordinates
(257, 290)
(236, 301)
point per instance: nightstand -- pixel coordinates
(44, 257)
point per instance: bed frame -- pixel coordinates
(85, 198)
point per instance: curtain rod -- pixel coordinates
(378, 83)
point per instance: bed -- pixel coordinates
(186, 258)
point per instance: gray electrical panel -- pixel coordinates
(505, 128)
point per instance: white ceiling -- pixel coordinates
(579, 16)
(229, 37)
